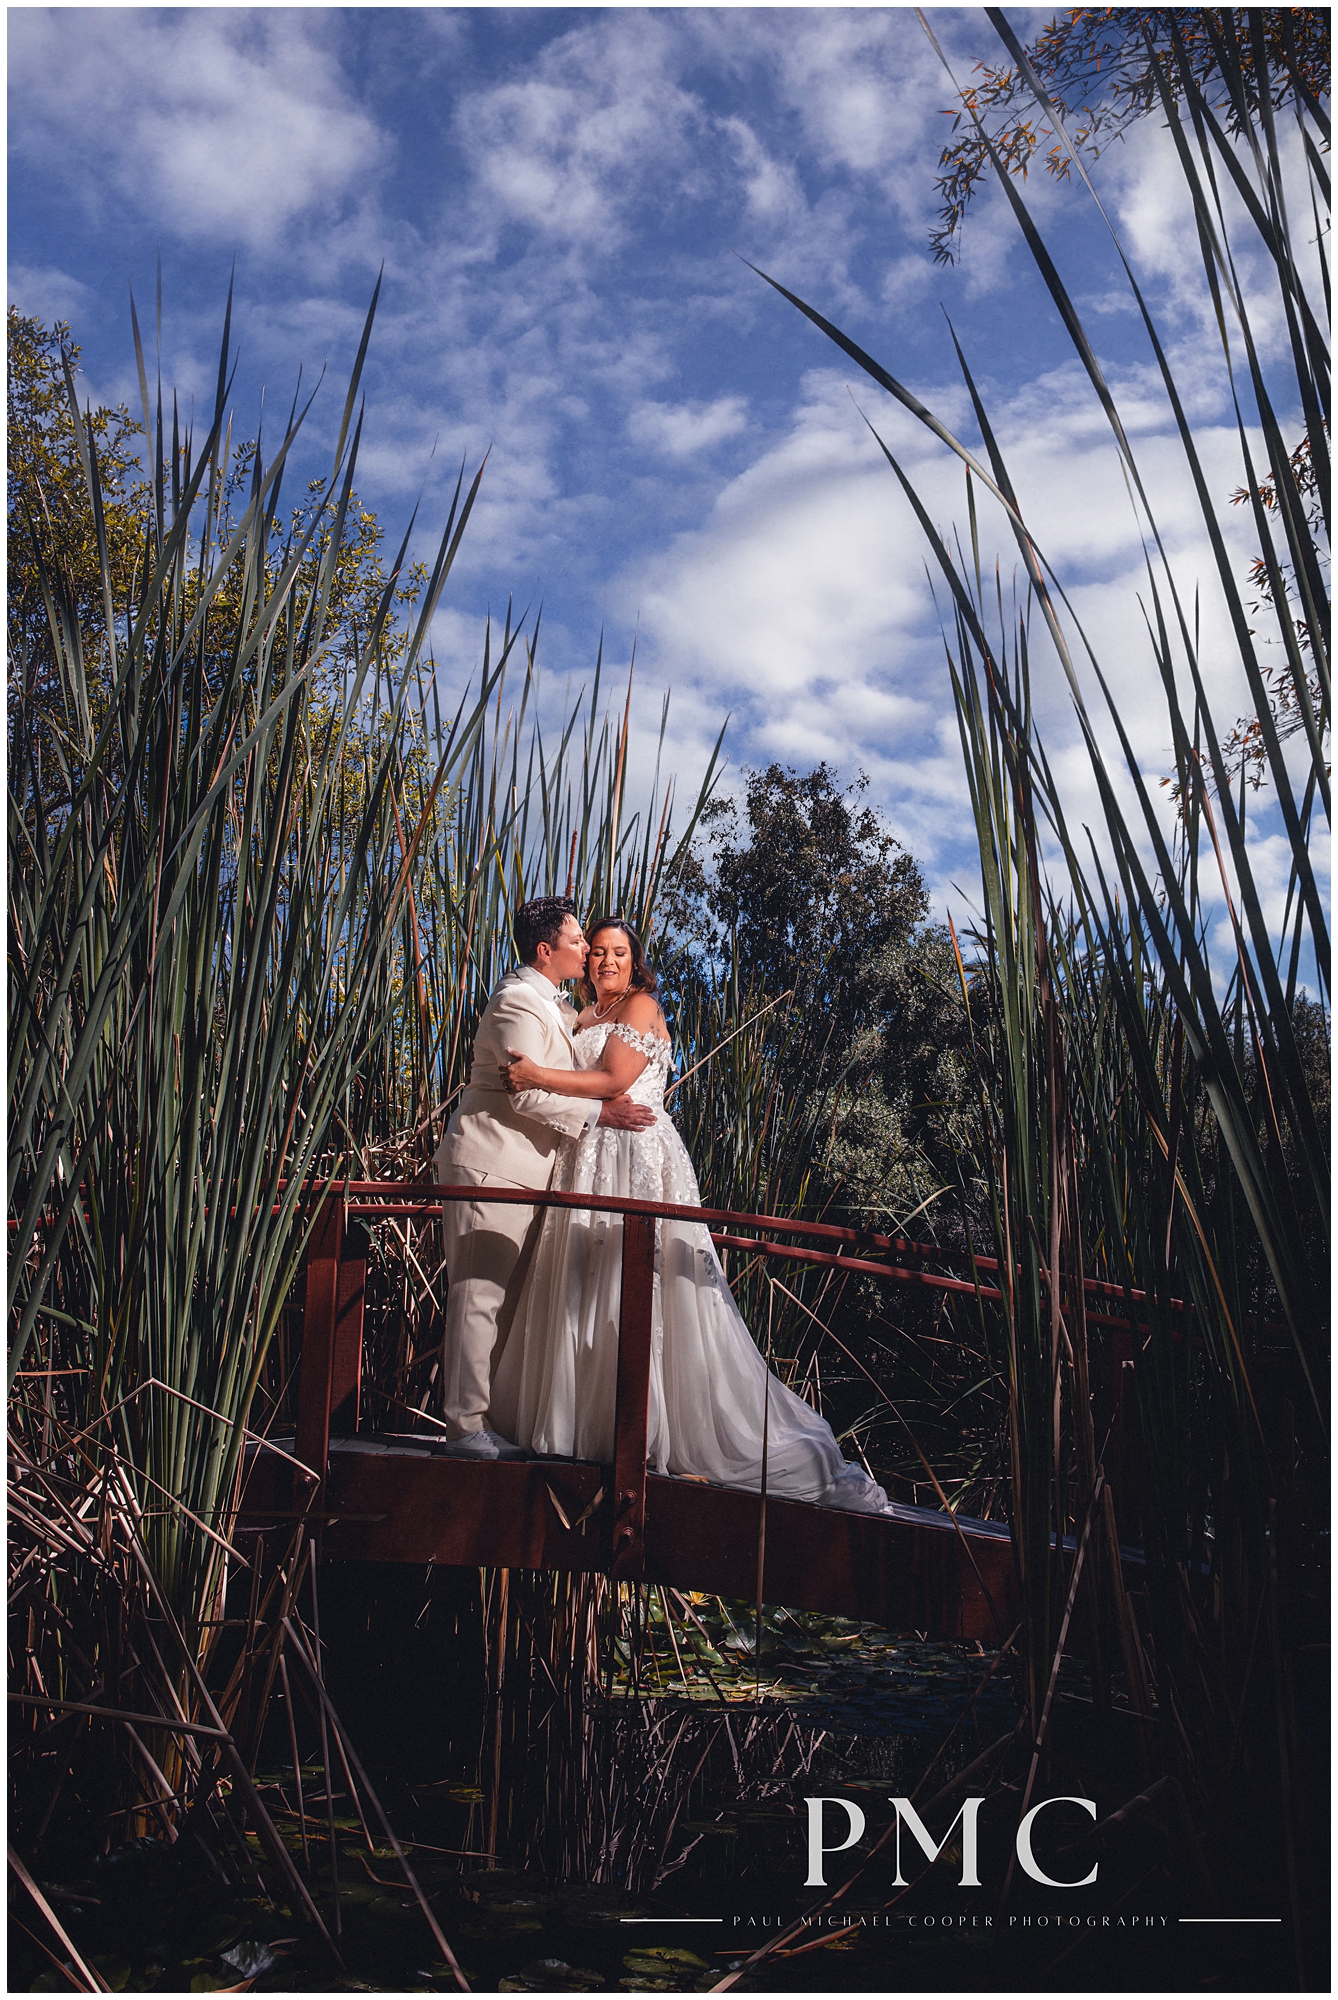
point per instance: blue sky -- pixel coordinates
(561, 199)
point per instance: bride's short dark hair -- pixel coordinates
(643, 979)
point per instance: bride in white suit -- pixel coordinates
(711, 1393)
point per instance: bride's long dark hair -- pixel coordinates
(643, 980)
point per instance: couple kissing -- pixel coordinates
(529, 1355)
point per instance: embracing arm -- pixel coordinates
(620, 1063)
(526, 1076)
(620, 1066)
(516, 1024)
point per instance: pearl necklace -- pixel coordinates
(618, 999)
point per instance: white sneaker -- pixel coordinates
(481, 1444)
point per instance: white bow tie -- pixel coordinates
(554, 995)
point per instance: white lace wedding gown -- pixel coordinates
(554, 1386)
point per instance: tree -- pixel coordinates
(804, 890)
(54, 456)
(805, 894)
(901, 1118)
(49, 518)
(1105, 68)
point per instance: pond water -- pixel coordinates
(646, 1831)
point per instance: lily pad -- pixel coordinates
(589, 1903)
(487, 1923)
(359, 1892)
(513, 1902)
(662, 1955)
(551, 1975)
(358, 1850)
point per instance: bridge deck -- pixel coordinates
(388, 1500)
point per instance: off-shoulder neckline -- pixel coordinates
(625, 1028)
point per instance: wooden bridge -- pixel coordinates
(388, 1497)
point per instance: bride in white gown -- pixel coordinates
(554, 1386)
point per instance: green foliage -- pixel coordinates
(808, 892)
(807, 905)
(366, 607)
(49, 513)
(900, 1125)
(84, 517)
(260, 890)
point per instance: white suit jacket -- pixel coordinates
(517, 1138)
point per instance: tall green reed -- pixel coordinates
(203, 905)
(261, 881)
(1146, 1113)
(534, 808)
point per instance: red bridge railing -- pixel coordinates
(331, 1366)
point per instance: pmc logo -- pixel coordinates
(908, 1817)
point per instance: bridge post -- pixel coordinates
(628, 1561)
(346, 1358)
(330, 1379)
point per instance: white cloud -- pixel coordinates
(861, 87)
(802, 603)
(679, 430)
(564, 149)
(226, 126)
(772, 191)
(782, 581)
(42, 291)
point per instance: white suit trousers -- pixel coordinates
(485, 1245)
